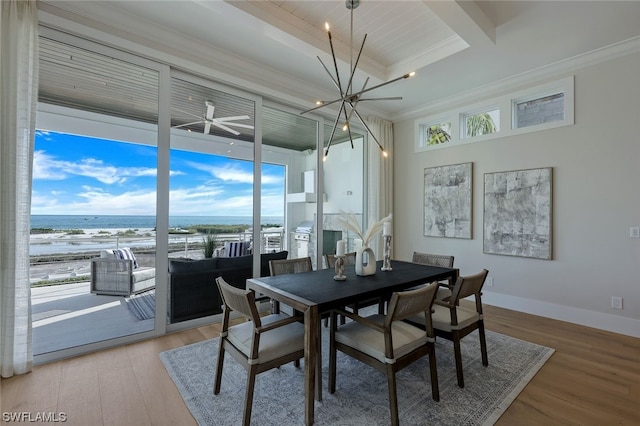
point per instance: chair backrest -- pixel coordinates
(433, 259)
(405, 304)
(240, 300)
(236, 248)
(468, 286)
(290, 266)
(349, 259)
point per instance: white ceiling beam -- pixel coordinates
(467, 20)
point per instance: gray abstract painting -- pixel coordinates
(447, 201)
(517, 213)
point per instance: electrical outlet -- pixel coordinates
(490, 281)
(616, 302)
(634, 232)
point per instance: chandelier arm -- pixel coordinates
(355, 66)
(347, 97)
(394, 98)
(355, 104)
(381, 85)
(335, 64)
(336, 83)
(369, 130)
(333, 132)
(324, 104)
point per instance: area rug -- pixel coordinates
(361, 397)
(142, 305)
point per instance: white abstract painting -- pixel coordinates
(517, 213)
(447, 201)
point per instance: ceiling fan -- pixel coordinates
(222, 122)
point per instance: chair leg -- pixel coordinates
(393, 395)
(483, 343)
(458, 355)
(218, 379)
(435, 389)
(248, 401)
(332, 356)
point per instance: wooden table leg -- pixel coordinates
(311, 324)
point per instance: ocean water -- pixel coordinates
(139, 222)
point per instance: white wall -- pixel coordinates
(596, 199)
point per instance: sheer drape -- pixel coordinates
(380, 201)
(18, 97)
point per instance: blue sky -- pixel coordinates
(83, 175)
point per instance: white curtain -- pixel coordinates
(18, 97)
(380, 181)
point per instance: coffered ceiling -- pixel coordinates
(271, 47)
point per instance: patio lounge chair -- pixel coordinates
(116, 273)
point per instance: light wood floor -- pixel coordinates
(593, 378)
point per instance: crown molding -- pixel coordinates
(565, 66)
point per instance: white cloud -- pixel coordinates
(47, 167)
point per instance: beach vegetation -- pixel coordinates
(210, 243)
(37, 231)
(60, 281)
(74, 231)
(127, 233)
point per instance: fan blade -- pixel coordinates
(237, 117)
(223, 127)
(244, 126)
(210, 110)
(188, 124)
(207, 127)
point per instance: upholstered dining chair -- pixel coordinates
(445, 261)
(258, 345)
(288, 266)
(453, 321)
(386, 342)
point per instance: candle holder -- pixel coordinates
(339, 267)
(386, 263)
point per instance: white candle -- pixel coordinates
(340, 248)
(386, 228)
(357, 244)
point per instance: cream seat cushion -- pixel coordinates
(441, 317)
(273, 343)
(406, 338)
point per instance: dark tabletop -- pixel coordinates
(319, 287)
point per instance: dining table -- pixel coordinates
(317, 292)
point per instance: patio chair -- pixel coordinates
(116, 273)
(387, 343)
(258, 345)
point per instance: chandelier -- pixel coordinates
(347, 98)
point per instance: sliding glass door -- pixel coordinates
(93, 226)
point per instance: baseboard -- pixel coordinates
(599, 320)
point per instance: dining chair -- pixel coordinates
(350, 260)
(453, 321)
(258, 345)
(288, 266)
(445, 261)
(386, 342)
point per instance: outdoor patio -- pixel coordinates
(68, 315)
